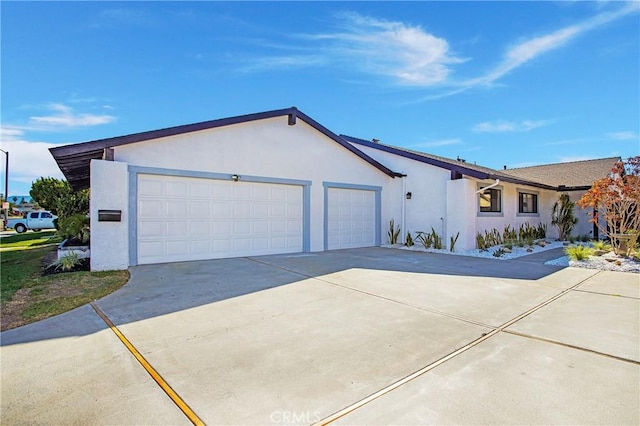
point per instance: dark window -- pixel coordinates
(490, 201)
(527, 203)
(45, 215)
(33, 215)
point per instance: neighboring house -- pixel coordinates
(279, 182)
(574, 178)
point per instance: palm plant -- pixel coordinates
(562, 216)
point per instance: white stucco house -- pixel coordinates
(280, 182)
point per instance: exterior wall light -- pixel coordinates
(408, 195)
(235, 178)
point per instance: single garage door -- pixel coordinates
(181, 218)
(351, 218)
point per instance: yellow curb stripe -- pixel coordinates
(193, 417)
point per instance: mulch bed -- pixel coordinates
(49, 267)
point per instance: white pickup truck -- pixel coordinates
(33, 220)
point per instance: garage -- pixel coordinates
(187, 218)
(272, 182)
(352, 216)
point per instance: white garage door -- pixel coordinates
(181, 218)
(351, 218)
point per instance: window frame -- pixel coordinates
(499, 213)
(536, 194)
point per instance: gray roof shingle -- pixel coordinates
(573, 174)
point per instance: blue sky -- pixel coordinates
(497, 83)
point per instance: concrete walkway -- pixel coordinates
(365, 336)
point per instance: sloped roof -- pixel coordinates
(460, 166)
(73, 160)
(573, 175)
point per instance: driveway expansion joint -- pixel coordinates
(341, 413)
(567, 345)
(172, 394)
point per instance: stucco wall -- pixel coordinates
(584, 225)
(461, 202)
(270, 148)
(109, 191)
(510, 215)
(428, 186)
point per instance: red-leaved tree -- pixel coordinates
(616, 199)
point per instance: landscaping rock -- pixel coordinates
(529, 250)
(610, 259)
(506, 250)
(599, 252)
(618, 263)
(541, 243)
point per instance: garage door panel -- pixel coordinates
(221, 190)
(151, 208)
(176, 228)
(183, 218)
(351, 217)
(151, 229)
(176, 189)
(199, 228)
(150, 188)
(200, 247)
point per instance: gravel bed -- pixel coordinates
(594, 262)
(600, 262)
(488, 254)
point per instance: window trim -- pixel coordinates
(490, 214)
(527, 191)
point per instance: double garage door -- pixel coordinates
(184, 218)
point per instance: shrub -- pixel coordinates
(509, 245)
(602, 245)
(509, 234)
(578, 252)
(66, 263)
(498, 253)
(562, 216)
(74, 227)
(452, 242)
(393, 233)
(425, 239)
(616, 198)
(409, 240)
(481, 244)
(437, 239)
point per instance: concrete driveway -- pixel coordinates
(364, 336)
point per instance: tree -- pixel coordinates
(616, 199)
(58, 197)
(562, 216)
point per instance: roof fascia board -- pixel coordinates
(169, 131)
(464, 170)
(448, 166)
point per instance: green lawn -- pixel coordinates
(27, 296)
(29, 239)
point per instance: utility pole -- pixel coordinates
(6, 189)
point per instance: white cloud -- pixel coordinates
(529, 49)
(502, 126)
(63, 116)
(622, 136)
(405, 53)
(283, 62)
(28, 160)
